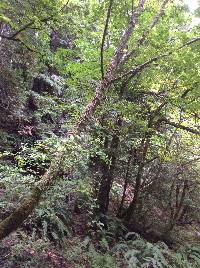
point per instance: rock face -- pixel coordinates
(7, 99)
(40, 85)
(23, 112)
(59, 41)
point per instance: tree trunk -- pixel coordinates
(132, 153)
(17, 217)
(20, 214)
(108, 176)
(108, 169)
(176, 216)
(132, 207)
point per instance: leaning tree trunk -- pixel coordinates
(12, 222)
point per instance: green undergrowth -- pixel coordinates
(23, 251)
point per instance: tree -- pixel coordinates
(120, 75)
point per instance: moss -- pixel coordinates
(12, 222)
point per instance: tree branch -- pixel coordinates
(23, 28)
(132, 7)
(28, 25)
(188, 129)
(142, 39)
(104, 36)
(144, 65)
(119, 53)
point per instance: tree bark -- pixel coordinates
(132, 207)
(179, 200)
(144, 146)
(108, 176)
(20, 214)
(132, 153)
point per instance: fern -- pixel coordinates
(141, 254)
(51, 225)
(188, 256)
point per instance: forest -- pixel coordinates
(99, 133)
